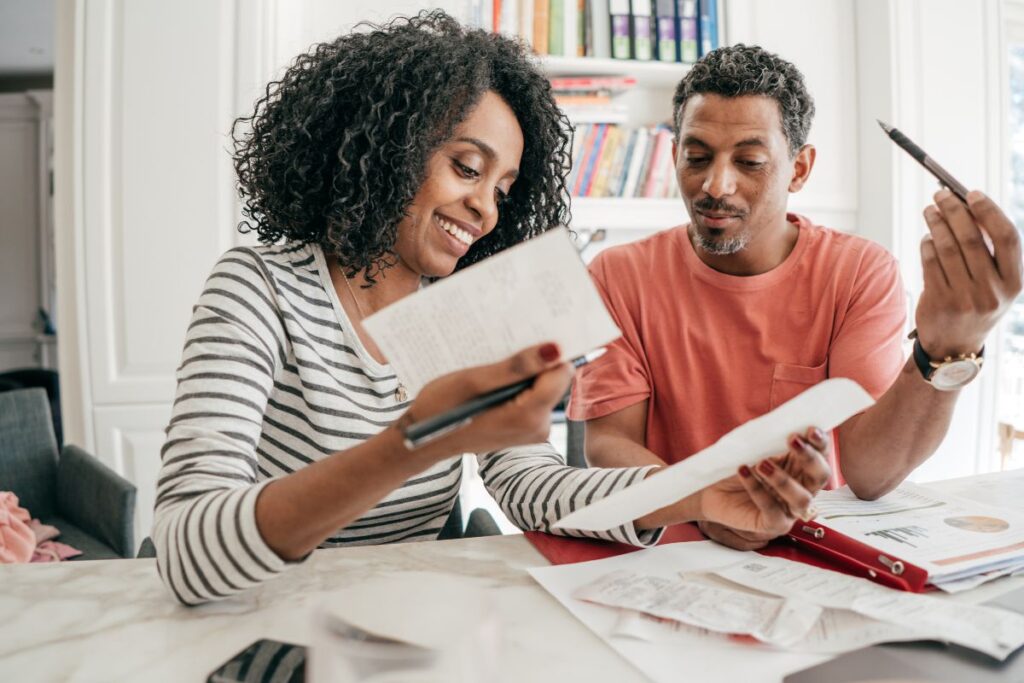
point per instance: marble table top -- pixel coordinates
(113, 620)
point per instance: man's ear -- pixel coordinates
(802, 165)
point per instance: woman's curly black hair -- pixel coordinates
(335, 151)
(738, 70)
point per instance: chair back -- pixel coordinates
(28, 450)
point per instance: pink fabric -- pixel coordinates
(52, 551)
(23, 539)
(17, 541)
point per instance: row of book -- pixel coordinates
(609, 160)
(661, 30)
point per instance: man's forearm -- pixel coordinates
(882, 445)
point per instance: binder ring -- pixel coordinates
(895, 566)
(818, 532)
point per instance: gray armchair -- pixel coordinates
(92, 506)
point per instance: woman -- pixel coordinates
(380, 160)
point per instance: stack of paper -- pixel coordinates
(960, 542)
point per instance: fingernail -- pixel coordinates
(549, 353)
(794, 443)
(744, 471)
(766, 467)
(819, 435)
(809, 514)
(975, 196)
(943, 194)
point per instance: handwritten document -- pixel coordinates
(535, 292)
(991, 630)
(825, 405)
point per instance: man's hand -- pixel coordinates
(749, 510)
(966, 288)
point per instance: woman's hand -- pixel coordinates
(523, 420)
(749, 509)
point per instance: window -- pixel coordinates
(1010, 401)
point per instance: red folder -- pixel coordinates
(807, 542)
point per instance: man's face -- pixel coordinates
(735, 172)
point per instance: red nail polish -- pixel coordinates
(744, 471)
(550, 353)
(795, 443)
(766, 467)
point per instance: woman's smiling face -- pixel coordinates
(467, 179)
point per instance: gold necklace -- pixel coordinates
(401, 395)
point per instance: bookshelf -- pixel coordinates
(649, 102)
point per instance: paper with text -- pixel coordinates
(538, 291)
(772, 620)
(948, 536)
(996, 632)
(825, 405)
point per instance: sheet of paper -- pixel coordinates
(696, 603)
(998, 489)
(685, 652)
(825, 405)
(995, 632)
(534, 292)
(948, 536)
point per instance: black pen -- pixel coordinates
(419, 433)
(943, 176)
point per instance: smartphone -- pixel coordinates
(265, 661)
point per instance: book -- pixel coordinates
(600, 29)
(541, 9)
(621, 29)
(666, 44)
(643, 30)
(708, 26)
(526, 20)
(556, 27)
(579, 167)
(570, 28)
(689, 48)
(613, 84)
(591, 168)
(602, 176)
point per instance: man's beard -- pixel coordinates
(720, 247)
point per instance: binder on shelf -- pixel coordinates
(541, 10)
(600, 32)
(708, 27)
(621, 29)
(556, 28)
(643, 30)
(686, 15)
(665, 31)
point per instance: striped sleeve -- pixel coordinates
(535, 489)
(204, 528)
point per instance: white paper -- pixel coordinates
(998, 489)
(538, 291)
(680, 651)
(948, 536)
(696, 603)
(993, 631)
(825, 405)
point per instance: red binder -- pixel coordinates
(807, 542)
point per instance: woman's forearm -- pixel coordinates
(297, 512)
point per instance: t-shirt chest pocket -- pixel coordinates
(791, 380)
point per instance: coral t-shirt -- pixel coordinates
(710, 351)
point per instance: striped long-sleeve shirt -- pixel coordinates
(273, 377)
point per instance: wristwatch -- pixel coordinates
(950, 373)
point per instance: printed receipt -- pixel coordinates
(778, 621)
(991, 630)
(825, 405)
(534, 292)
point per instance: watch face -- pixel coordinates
(955, 374)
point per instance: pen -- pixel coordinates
(424, 431)
(945, 179)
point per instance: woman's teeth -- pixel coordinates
(455, 231)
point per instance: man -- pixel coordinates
(747, 306)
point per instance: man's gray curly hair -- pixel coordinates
(741, 70)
